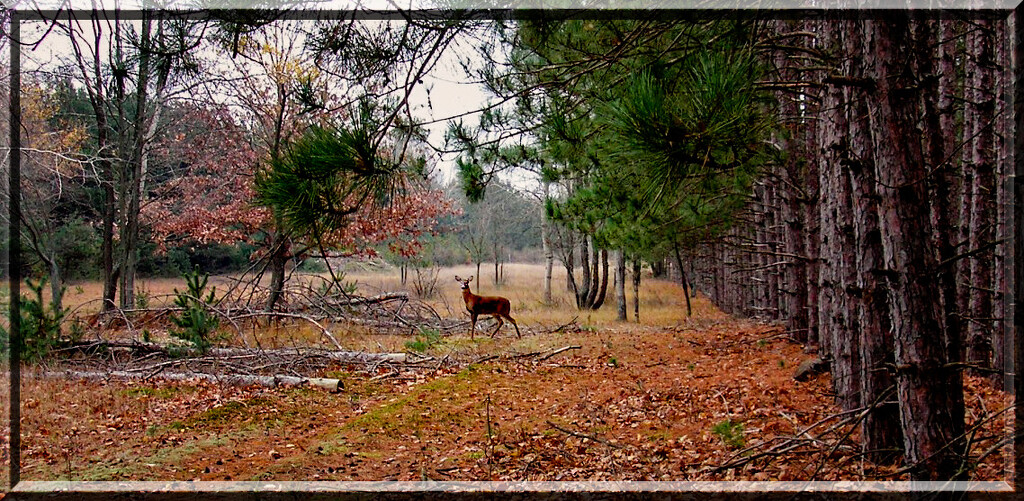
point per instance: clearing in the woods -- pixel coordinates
(670, 398)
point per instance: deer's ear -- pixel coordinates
(457, 279)
(470, 279)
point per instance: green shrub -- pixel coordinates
(348, 287)
(312, 266)
(196, 322)
(423, 342)
(78, 246)
(40, 325)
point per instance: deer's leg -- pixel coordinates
(500, 323)
(472, 327)
(514, 324)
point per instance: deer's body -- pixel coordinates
(497, 307)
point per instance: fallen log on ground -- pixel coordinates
(280, 380)
(169, 350)
(337, 356)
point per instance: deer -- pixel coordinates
(497, 307)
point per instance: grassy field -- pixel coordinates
(661, 304)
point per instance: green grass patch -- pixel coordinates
(230, 413)
(403, 414)
(730, 432)
(168, 392)
(163, 456)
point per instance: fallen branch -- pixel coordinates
(380, 298)
(560, 350)
(583, 435)
(563, 327)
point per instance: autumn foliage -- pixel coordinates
(211, 198)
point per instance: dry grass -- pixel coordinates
(661, 304)
(660, 301)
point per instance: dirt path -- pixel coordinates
(633, 403)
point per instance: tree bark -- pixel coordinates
(545, 239)
(636, 289)
(278, 262)
(603, 289)
(682, 279)
(981, 100)
(930, 392)
(881, 439)
(583, 289)
(620, 285)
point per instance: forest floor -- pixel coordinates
(702, 398)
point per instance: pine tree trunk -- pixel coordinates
(636, 290)
(981, 98)
(545, 239)
(584, 287)
(1002, 355)
(682, 278)
(930, 392)
(810, 209)
(620, 285)
(881, 437)
(812, 242)
(603, 289)
(278, 262)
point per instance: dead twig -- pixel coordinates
(583, 435)
(560, 350)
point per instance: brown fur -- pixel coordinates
(497, 307)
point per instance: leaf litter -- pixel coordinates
(711, 402)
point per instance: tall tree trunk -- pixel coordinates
(881, 437)
(278, 262)
(811, 237)
(133, 194)
(599, 299)
(930, 391)
(497, 259)
(570, 266)
(831, 135)
(682, 278)
(584, 287)
(636, 289)
(1015, 250)
(620, 285)
(545, 239)
(109, 214)
(981, 98)
(1002, 345)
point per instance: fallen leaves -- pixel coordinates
(582, 420)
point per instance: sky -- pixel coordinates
(452, 94)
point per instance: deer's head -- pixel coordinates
(464, 281)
